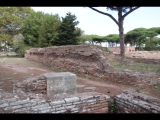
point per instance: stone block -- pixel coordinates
(57, 102)
(20, 102)
(4, 105)
(74, 99)
(40, 106)
(62, 82)
(13, 107)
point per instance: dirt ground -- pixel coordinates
(14, 69)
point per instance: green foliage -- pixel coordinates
(106, 49)
(140, 36)
(112, 39)
(18, 40)
(22, 49)
(112, 106)
(67, 34)
(138, 90)
(94, 38)
(122, 12)
(153, 44)
(40, 29)
(31, 28)
(11, 19)
(48, 32)
(82, 38)
(136, 36)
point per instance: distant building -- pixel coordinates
(117, 49)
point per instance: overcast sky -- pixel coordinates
(95, 23)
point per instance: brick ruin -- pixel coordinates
(32, 96)
(87, 59)
(117, 49)
(27, 99)
(134, 102)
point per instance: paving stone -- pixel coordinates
(39, 106)
(74, 99)
(69, 107)
(61, 111)
(13, 107)
(93, 100)
(44, 108)
(45, 111)
(20, 102)
(86, 97)
(60, 108)
(57, 102)
(4, 105)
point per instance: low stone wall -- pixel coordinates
(77, 103)
(129, 102)
(86, 59)
(29, 96)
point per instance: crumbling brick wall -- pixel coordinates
(32, 84)
(134, 102)
(87, 59)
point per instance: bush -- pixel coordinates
(22, 49)
(106, 49)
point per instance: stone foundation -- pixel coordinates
(27, 97)
(77, 103)
(129, 102)
(35, 85)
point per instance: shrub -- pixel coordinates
(112, 106)
(22, 49)
(106, 49)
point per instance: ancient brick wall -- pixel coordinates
(30, 96)
(36, 85)
(87, 59)
(134, 102)
(83, 103)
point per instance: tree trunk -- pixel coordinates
(121, 36)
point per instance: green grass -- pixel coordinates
(138, 67)
(8, 54)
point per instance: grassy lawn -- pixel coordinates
(138, 67)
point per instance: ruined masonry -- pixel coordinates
(58, 83)
(52, 93)
(134, 102)
(30, 96)
(87, 59)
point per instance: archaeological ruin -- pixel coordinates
(56, 92)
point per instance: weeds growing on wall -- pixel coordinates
(138, 90)
(112, 106)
